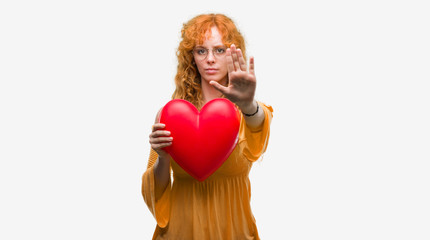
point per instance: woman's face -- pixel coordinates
(210, 58)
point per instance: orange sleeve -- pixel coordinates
(254, 141)
(159, 208)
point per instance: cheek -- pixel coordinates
(199, 67)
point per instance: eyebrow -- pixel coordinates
(216, 46)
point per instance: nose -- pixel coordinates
(210, 58)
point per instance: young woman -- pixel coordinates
(211, 64)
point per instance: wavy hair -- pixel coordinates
(188, 79)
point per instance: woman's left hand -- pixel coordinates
(242, 83)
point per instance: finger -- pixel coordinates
(242, 61)
(159, 133)
(218, 87)
(251, 65)
(159, 140)
(161, 145)
(230, 66)
(157, 126)
(235, 58)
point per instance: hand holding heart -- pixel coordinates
(160, 138)
(242, 83)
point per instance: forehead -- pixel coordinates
(212, 37)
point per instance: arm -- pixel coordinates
(257, 119)
(156, 179)
(257, 139)
(159, 139)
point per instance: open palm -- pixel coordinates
(242, 82)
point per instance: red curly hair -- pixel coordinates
(187, 79)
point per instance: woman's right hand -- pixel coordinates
(159, 139)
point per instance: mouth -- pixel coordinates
(211, 70)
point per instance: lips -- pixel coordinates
(211, 70)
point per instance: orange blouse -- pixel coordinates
(218, 207)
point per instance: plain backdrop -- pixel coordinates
(348, 157)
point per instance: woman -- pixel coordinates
(211, 64)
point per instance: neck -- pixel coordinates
(209, 92)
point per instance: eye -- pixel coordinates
(220, 50)
(201, 51)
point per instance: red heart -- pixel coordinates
(201, 141)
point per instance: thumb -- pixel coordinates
(218, 87)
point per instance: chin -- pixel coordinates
(213, 78)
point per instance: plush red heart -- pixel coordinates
(202, 141)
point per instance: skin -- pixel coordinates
(240, 90)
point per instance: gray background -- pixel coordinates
(81, 82)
